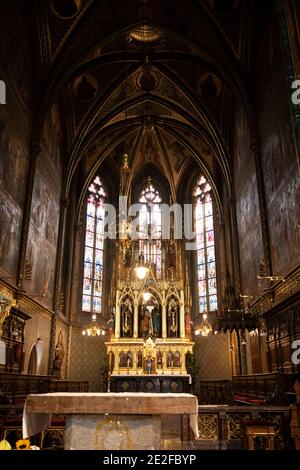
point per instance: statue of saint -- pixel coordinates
(59, 356)
(149, 365)
(156, 320)
(126, 316)
(188, 325)
(127, 258)
(145, 326)
(111, 325)
(172, 320)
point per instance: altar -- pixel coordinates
(111, 421)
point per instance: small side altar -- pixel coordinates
(110, 421)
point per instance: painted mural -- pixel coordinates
(45, 208)
(282, 184)
(51, 138)
(10, 229)
(13, 178)
(45, 211)
(247, 206)
(284, 225)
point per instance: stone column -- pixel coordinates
(181, 313)
(254, 147)
(235, 245)
(117, 319)
(164, 320)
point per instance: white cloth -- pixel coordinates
(34, 423)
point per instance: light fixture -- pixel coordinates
(147, 296)
(93, 328)
(141, 270)
(205, 328)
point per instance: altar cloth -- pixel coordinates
(39, 407)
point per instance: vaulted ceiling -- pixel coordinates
(157, 79)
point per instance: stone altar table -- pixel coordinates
(109, 421)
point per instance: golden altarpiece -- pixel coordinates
(150, 332)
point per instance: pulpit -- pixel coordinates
(111, 421)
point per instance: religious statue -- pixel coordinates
(146, 325)
(149, 365)
(177, 359)
(188, 325)
(156, 320)
(129, 359)
(59, 356)
(172, 319)
(140, 360)
(127, 258)
(169, 359)
(159, 360)
(126, 317)
(111, 325)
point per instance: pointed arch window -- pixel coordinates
(94, 248)
(205, 242)
(150, 226)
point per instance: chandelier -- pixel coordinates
(233, 315)
(141, 270)
(93, 328)
(204, 328)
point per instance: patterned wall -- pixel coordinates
(212, 354)
(87, 358)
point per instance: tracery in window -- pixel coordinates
(94, 248)
(205, 242)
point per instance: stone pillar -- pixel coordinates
(235, 245)
(136, 319)
(254, 147)
(181, 314)
(164, 320)
(117, 319)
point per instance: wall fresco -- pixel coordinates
(278, 154)
(10, 230)
(247, 207)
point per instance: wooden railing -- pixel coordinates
(15, 387)
(257, 389)
(224, 426)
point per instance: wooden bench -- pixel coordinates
(263, 389)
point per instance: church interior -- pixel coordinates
(150, 214)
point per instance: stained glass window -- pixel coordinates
(150, 227)
(205, 242)
(93, 250)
